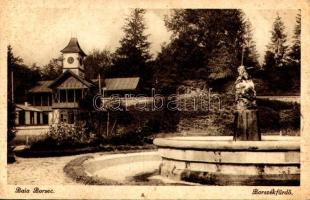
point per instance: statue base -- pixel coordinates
(246, 125)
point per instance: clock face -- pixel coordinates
(70, 60)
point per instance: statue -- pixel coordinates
(245, 92)
(246, 115)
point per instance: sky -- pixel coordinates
(39, 33)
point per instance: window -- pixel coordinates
(70, 95)
(45, 117)
(63, 117)
(44, 100)
(62, 96)
(31, 117)
(21, 117)
(38, 118)
(50, 98)
(70, 117)
(78, 95)
(37, 100)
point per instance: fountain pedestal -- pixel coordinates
(246, 125)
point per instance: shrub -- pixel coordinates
(275, 115)
(10, 131)
(268, 118)
(62, 136)
(277, 105)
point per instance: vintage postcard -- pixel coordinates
(154, 99)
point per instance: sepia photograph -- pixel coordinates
(152, 96)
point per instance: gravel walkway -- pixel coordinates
(40, 171)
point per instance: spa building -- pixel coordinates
(57, 100)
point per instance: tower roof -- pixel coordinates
(73, 47)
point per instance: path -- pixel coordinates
(40, 171)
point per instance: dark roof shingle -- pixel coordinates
(41, 87)
(116, 84)
(28, 108)
(65, 75)
(73, 47)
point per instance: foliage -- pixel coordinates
(53, 69)
(282, 64)
(131, 58)
(250, 58)
(166, 78)
(63, 136)
(98, 62)
(11, 130)
(221, 64)
(11, 121)
(276, 55)
(277, 115)
(24, 77)
(294, 54)
(207, 41)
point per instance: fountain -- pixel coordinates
(247, 158)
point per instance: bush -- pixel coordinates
(268, 118)
(62, 136)
(275, 115)
(10, 131)
(277, 105)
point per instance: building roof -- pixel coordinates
(116, 84)
(41, 87)
(74, 82)
(73, 47)
(27, 107)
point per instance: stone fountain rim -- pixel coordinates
(268, 143)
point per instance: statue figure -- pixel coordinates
(245, 92)
(246, 115)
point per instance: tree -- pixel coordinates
(294, 57)
(98, 62)
(131, 58)
(12, 61)
(295, 48)
(200, 38)
(166, 78)
(220, 63)
(279, 71)
(250, 58)
(24, 77)
(53, 69)
(276, 55)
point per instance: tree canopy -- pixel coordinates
(203, 40)
(250, 57)
(98, 62)
(282, 63)
(24, 77)
(276, 55)
(295, 48)
(53, 69)
(133, 54)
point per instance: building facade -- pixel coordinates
(58, 100)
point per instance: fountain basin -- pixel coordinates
(121, 167)
(221, 161)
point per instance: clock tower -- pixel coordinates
(73, 57)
